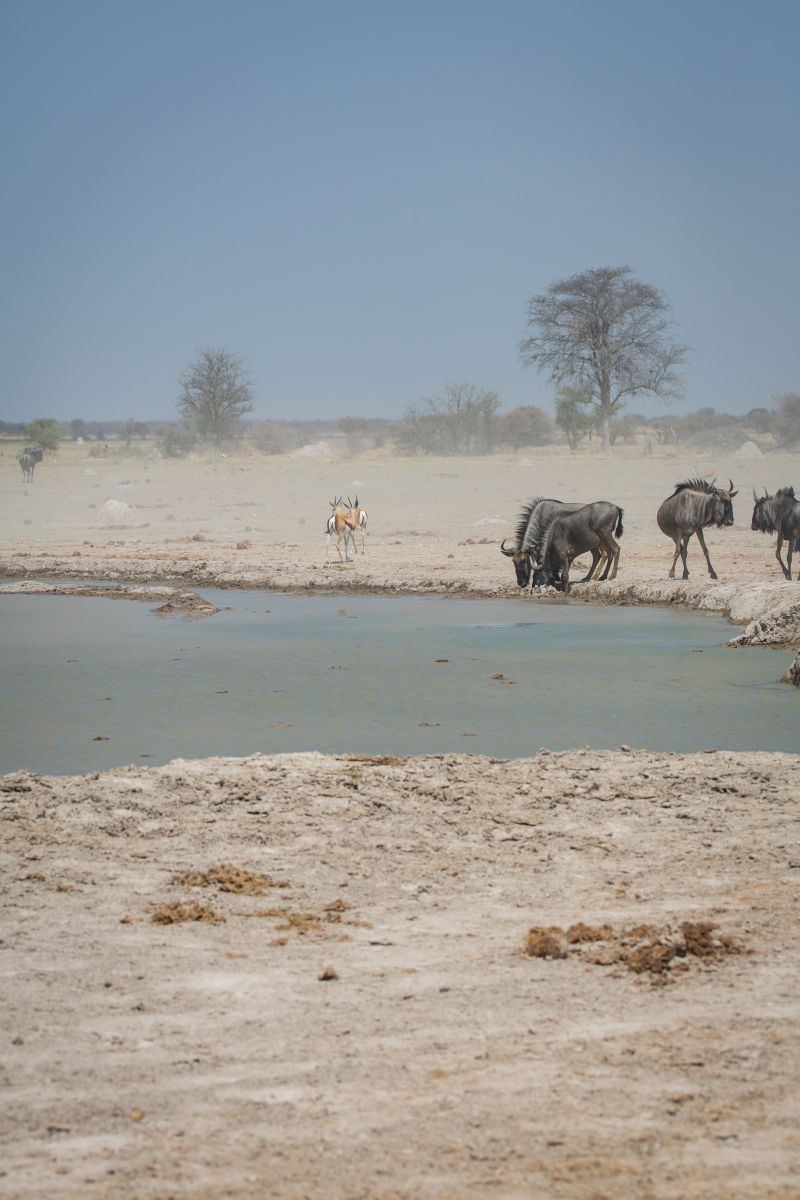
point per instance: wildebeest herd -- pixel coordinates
(551, 533)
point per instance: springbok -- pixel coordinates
(694, 505)
(341, 523)
(359, 515)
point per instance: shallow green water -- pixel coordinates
(360, 674)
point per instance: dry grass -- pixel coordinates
(229, 878)
(176, 911)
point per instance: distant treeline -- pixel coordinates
(463, 420)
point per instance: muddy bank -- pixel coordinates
(175, 603)
(317, 976)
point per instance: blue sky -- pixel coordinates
(359, 196)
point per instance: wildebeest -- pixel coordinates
(593, 527)
(779, 514)
(28, 459)
(534, 521)
(694, 505)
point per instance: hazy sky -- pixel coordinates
(360, 196)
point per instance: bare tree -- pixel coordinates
(215, 392)
(608, 334)
(458, 421)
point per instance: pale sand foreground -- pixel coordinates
(207, 1061)
(212, 1060)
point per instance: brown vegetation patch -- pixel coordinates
(176, 911)
(647, 950)
(300, 922)
(588, 933)
(229, 878)
(545, 941)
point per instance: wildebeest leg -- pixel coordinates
(702, 542)
(565, 565)
(678, 550)
(790, 543)
(596, 556)
(787, 566)
(616, 546)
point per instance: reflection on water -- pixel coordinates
(373, 675)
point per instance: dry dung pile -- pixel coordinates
(658, 952)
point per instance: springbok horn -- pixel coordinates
(508, 553)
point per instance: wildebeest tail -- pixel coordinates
(618, 531)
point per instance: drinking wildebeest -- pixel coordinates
(593, 527)
(779, 514)
(694, 505)
(28, 459)
(534, 521)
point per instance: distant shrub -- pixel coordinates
(175, 442)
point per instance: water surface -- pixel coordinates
(336, 674)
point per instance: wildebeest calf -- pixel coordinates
(591, 528)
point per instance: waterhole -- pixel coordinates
(94, 683)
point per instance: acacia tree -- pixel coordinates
(215, 393)
(46, 432)
(607, 334)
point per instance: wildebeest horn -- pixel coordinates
(508, 553)
(755, 497)
(730, 485)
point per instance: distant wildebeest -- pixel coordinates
(779, 514)
(28, 459)
(534, 521)
(591, 528)
(693, 506)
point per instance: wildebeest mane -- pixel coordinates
(694, 485)
(524, 519)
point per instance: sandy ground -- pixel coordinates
(363, 1019)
